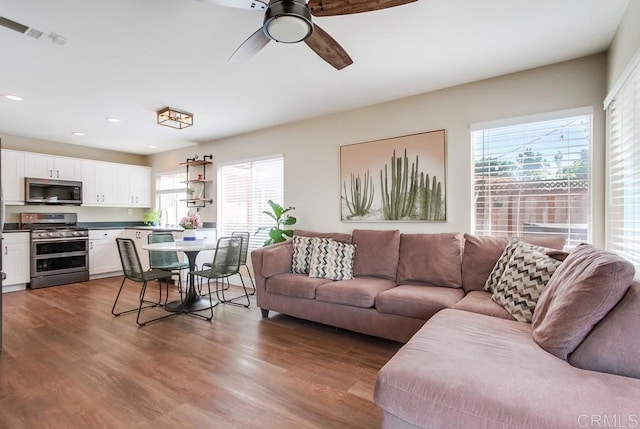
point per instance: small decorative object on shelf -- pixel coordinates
(197, 180)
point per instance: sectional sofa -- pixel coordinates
(467, 362)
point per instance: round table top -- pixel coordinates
(181, 246)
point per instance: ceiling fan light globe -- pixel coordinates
(287, 29)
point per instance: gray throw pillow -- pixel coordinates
(523, 280)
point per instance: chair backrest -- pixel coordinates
(226, 260)
(245, 245)
(131, 265)
(159, 259)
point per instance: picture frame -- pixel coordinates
(399, 179)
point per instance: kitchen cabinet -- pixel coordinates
(134, 185)
(104, 259)
(139, 237)
(15, 261)
(52, 167)
(13, 176)
(99, 183)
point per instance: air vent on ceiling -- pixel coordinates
(20, 28)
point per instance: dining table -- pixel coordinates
(192, 300)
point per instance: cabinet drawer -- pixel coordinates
(104, 234)
(15, 238)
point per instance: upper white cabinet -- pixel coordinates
(52, 167)
(99, 183)
(13, 176)
(134, 185)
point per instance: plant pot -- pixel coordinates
(189, 235)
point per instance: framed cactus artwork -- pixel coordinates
(401, 179)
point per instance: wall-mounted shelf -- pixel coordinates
(197, 180)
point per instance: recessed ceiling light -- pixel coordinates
(77, 133)
(153, 146)
(12, 97)
(113, 119)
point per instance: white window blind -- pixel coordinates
(243, 191)
(171, 195)
(534, 179)
(623, 202)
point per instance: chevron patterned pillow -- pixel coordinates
(498, 269)
(524, 277)
(332, 259)
(302, 250)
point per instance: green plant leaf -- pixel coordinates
(277, 209)
(288, 232)
(289, 220)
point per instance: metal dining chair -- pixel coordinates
(133, 271)
(226, 263)
(167, 261)
(243, 258)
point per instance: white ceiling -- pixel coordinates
(130, 58)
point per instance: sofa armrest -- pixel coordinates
(269, 261)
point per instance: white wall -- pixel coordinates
(311, 147)
(625, 43)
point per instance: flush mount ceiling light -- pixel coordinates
(12, 97)
(174, 118)
(114, 120)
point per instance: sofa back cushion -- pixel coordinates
(481, 253)
(430, 259)
(377, 253)
(337, 236)
(584, 288)
(611, 346)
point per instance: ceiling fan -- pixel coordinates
(289, 21)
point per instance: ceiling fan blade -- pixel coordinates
(240, 4)
(328, 49)
(250, 47)
(346, 7)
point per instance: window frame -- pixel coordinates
(532, 119)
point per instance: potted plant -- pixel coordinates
(152, 217)
(190, 223)
(279, 214)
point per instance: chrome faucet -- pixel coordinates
(165, 213)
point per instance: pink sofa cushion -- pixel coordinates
(479, 301)
(377, 253)
(291, 284)
(606, 349)
(337, 236)
(431, 259)
(358, 292)
(481, 253)
(420, 302)
(584, 288)
(276, 259)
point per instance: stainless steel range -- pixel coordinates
(59, 248)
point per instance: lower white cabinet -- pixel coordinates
(15, 261)
(139, 237)
(104, 259)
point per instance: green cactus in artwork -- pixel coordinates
(361, 195)
(398, 200)
(430, 198)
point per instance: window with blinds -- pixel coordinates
(243, 191)
(533, 179)
(623, 200)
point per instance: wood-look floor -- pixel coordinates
(68, 363)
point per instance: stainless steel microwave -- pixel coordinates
(48, 191)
